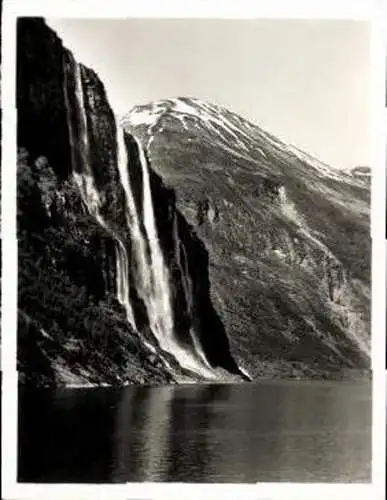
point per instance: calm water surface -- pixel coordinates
(276, 431)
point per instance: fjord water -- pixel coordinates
(258, 432)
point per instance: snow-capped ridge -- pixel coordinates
(235, 134)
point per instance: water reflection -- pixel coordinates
(142, 433)
(304, 432)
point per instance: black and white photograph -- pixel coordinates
(193, 250)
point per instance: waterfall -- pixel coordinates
(122, 278)
(185, 280)
(149, 281)
(163, 316)
(83, 176)
(187, 285)
(152, 277)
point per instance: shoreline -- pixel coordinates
(343, 378)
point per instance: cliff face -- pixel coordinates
(89, 293)
(71, 327)
(178, 253)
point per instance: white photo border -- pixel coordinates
(372, 11)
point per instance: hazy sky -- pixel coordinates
(307, 82)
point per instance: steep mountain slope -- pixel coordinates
(113, 284)
(288, 237)
(71, 327)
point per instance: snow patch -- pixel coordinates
(142, 118)
(182, 107)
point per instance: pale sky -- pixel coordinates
(306, 82)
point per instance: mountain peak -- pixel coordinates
(200, 119)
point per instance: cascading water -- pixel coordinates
(152, 279)
(150, 272)
(187, 284)
(162, 318)
(183, 272)
(123, 281)
(84, 179)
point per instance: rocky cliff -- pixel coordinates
(71, 327)
(87, 312)
(174, 252)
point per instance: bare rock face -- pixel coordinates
(71, 327)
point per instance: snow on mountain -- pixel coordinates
(247, 139)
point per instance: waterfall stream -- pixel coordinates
(151, 276)
(84, 179)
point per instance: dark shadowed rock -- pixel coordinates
(67, 267)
